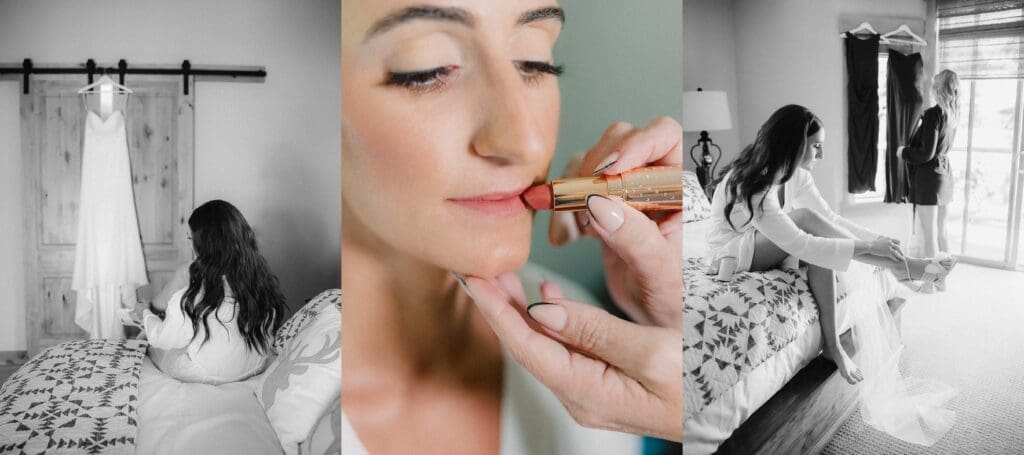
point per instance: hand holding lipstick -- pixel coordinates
(608, 372)
(642, 251)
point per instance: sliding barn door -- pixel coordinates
(159, 120)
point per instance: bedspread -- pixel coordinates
(78, 397)
(730, 328)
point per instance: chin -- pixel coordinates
(490, 256)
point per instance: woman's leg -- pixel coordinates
(812, 223)
(822, 282)
(927, 214)
(940, 228)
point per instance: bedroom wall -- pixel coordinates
(788, 51)
(709, 53)
(272, 149)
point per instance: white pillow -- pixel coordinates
(695, 238)
(696, 205)
(304, 381)
(326, 435)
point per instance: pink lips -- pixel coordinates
(497, 203)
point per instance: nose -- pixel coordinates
(509, 132)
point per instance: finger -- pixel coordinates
(636, 239)
(660, 142)
(606, 149)
(543, 357)
(671, 224)
(510, 283)
(627, 346)
(550, 291)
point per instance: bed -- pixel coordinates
(108, 397)
(754, 379)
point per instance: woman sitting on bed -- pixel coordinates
(222, 309)
(756, 226)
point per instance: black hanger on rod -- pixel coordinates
(26, 69)
(122, 66)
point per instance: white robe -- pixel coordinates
(109, 264)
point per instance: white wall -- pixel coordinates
(788, 51)
(272, 149)
(709, 62)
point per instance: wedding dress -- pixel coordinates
(109, 264)
(911, 409)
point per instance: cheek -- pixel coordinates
(403, 157)
(393, 163)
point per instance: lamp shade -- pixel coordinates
(706, 111)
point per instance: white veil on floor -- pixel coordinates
(911, 409)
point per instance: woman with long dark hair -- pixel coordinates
(222, 309)
(756, 228)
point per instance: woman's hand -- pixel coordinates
(642, 253)
(607, 372)
(886, 247)
(178, 281)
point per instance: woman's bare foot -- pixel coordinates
(844, 363)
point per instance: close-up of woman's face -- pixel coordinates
(813, 149)
(449, 112)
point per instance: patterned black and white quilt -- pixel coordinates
(731, 328)
(78, 397)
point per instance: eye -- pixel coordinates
(533, 71)
(422, 81)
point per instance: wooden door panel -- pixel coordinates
(151, 147)
(160, 142)
(61, 167)
(59, 309)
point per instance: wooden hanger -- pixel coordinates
(914, 39)
(104, 80)
(865, 27)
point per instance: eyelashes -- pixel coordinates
(532, 69)
(438, 78)
(421, 81)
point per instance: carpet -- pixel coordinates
(971, 337)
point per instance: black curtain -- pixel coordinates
(862, 99)
(904, 102)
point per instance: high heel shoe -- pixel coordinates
(934, 276)
(937, 270)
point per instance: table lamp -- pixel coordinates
(705, 111)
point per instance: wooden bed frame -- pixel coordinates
(803, 416)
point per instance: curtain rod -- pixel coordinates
(90, 69)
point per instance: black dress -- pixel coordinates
(862, 121)
(904, 110)
(927, 156)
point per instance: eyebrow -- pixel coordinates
(454, 15)
(551, 12)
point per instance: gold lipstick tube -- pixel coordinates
(649, 188)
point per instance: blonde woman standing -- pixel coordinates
(927, 156)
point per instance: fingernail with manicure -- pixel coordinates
(606, 212)
(462, 282)
(608, 162)
(548, 314)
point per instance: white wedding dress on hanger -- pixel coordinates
(109, 264)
